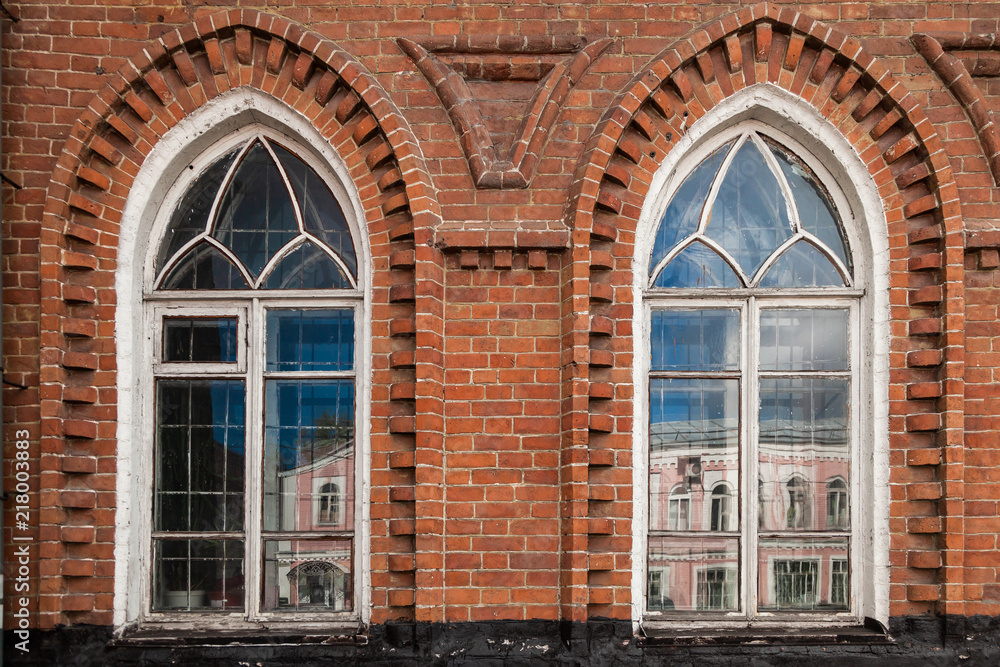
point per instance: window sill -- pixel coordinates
(173, 636)
(657, 634)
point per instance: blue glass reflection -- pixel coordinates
(816, 212)
(802, 265)
(682, 216)
(204, 267)
(307, 420)
(697, 265)
(310, 340)
(749, 215)
(306, 267)
(190, 218)
(321, 212)
(695, 340)
(256, 217)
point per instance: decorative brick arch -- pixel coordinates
(167, 81)
(858, 95)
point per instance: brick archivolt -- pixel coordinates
(167, 81)
(858, 95)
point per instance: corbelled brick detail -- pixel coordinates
(167, 81)
(763, 43)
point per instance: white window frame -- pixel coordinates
(233, 118)
(797, 125)
(747, 508)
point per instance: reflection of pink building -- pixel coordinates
(317, 497)
(322, 493)
(695, 489)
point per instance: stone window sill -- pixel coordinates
(871, 632)
(328, 634)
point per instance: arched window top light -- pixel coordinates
(751, 214)
(260, 217)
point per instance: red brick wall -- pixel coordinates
(501, 400)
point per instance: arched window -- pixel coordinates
(836, 503)
(752, 317)
(798, 516)
(679, 509)
(329, 504)
(722, 498)
(253, 300)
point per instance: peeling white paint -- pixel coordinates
(159, 183)
(838, 164)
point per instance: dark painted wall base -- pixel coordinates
(923, 640)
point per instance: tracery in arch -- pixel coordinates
(259, 217)
(751, 214)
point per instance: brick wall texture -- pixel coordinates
(501, 215)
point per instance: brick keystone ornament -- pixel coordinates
(503, 94)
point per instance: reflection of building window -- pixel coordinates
(798, 515)
(838, 582)
(721, 507)
(717, 588)
(795, 583)
(678, 514)
(658, 596)
(329, 504)
(836, 503)
(751, 306)
(255, 393)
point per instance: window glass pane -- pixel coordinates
(697, 265)
(816, 210)
(204, 267)
(802, 574)
(256, 217)
(804, 340)
(197, 575)
(802, 265)
(199, 339)
(695, 340)
(306, 267)
(749, 215)
(693, 447)
(321, 212)
(190, 218)
(200, 438)
(307, 575)
(803, 443)
(308, 442)
(683, 214)
(310, 340)
(693, 574)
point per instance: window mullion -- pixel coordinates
(254, 473)
(750, 462)
(854, 478)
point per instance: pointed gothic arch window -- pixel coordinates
(751, 311)
(254, 298)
